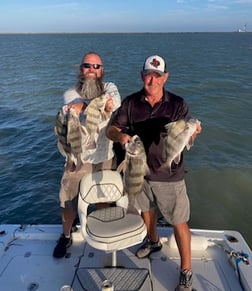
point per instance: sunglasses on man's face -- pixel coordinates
(88, 66)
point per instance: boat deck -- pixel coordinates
(219, 258)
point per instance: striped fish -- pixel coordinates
(135, 169)
(179, 136)
(61, 131)
(74, 137)
(94, 115)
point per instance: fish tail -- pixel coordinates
(131, 205)
(132, 210)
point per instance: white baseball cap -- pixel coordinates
(154, 64)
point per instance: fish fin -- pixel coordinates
(131, 205)
(188, 146)
(167, 166)
(164, 154)
(177, 159)
(121, 166)
(190, 143)
(164, 149)
(69, 166)
(132, 210)
(79, 163)
(91, 146)
(147, 170)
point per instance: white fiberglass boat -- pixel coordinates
(220, 259)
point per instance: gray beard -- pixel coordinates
(89, 88)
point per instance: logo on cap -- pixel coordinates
(155, 63)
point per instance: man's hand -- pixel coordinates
(124, 138)
(115, 134)
(109, 105)
(198, 130)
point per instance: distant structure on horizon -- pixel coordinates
(244, 29)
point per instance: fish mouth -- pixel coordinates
(131, 150)
(132, 154)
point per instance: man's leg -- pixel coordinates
(183, 238)
(152, 244)
(150, 220)
(68, 217)
(65, 241)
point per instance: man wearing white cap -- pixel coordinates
(90, 87)
(146, 113)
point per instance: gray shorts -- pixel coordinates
(169, 197)
(70, 183)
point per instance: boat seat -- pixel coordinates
(110, 228)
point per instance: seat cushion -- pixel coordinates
(113, 224)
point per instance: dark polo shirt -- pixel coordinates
(137, 116)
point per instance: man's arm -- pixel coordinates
(115, 134)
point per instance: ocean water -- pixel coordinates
(212, 71)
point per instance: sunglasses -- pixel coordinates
(88, 66)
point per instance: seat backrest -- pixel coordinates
(102, 186)
(107, 228)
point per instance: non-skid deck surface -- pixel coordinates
(26, 264)
(120, 278)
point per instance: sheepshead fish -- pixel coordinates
(135, 168)
(179, 136)
(94, 116)
(74, 138)
(61, 132)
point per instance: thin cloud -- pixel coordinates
(225, 2)
(58, 6)
(217, 7)
(244, 1)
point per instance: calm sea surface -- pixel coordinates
(212, 71)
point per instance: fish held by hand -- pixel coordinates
(74, 138)
(179, 136)
(94, 116)
(135, 168)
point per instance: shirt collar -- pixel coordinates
(165, 97)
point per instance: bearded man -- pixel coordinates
(90, 87)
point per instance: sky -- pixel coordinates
(66, 16)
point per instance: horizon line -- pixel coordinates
(147, 32)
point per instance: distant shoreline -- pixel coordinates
(188, 32)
